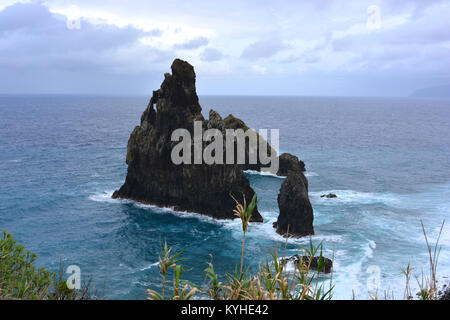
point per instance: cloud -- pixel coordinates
(259, 69)
(127, 47)
(405, 44)
(211, 54)
(35, 41)
(192, 44)
(264, 49)
(311, 54)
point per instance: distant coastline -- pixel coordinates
(437, 92)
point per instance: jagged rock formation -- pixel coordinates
(296, 213)
(327, 263)
(231, 122)
(329, 196)
(288, 162)
(444, 294)
(153, 178)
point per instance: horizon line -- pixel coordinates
(216, 95)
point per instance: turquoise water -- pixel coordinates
(388, 160)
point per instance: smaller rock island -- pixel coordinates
(296, 213)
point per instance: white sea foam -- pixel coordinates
(143, 283)
(310, 174)
(433, 232)
(350, 277)
(289, 267)
(149, 266)
(370, 249)
(267, 230)
(106, 196)
(353, 197)
(263, 173)
(445, 236)
(181, 214)
(268, 174)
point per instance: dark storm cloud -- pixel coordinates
(324, 44)
(32, 39)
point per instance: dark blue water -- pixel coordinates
(388, 160)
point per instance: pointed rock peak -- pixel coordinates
(214, 115)
(232, 122)
(183, 71)
(215, 120)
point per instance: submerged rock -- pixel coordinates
(153, 178)
(327, 263)
(443, 294)
(288, 162)
(330, 195)
(296, 213)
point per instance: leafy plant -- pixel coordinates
(428, 284)
(245, 214)
(167, 260)
(19, 277)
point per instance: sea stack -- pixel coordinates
(153, 178)
(296, 213)
(288, 162)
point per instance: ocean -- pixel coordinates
(387, 160)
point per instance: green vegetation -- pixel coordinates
(21, 279)
(427, 283)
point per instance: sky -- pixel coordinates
(251, 47)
